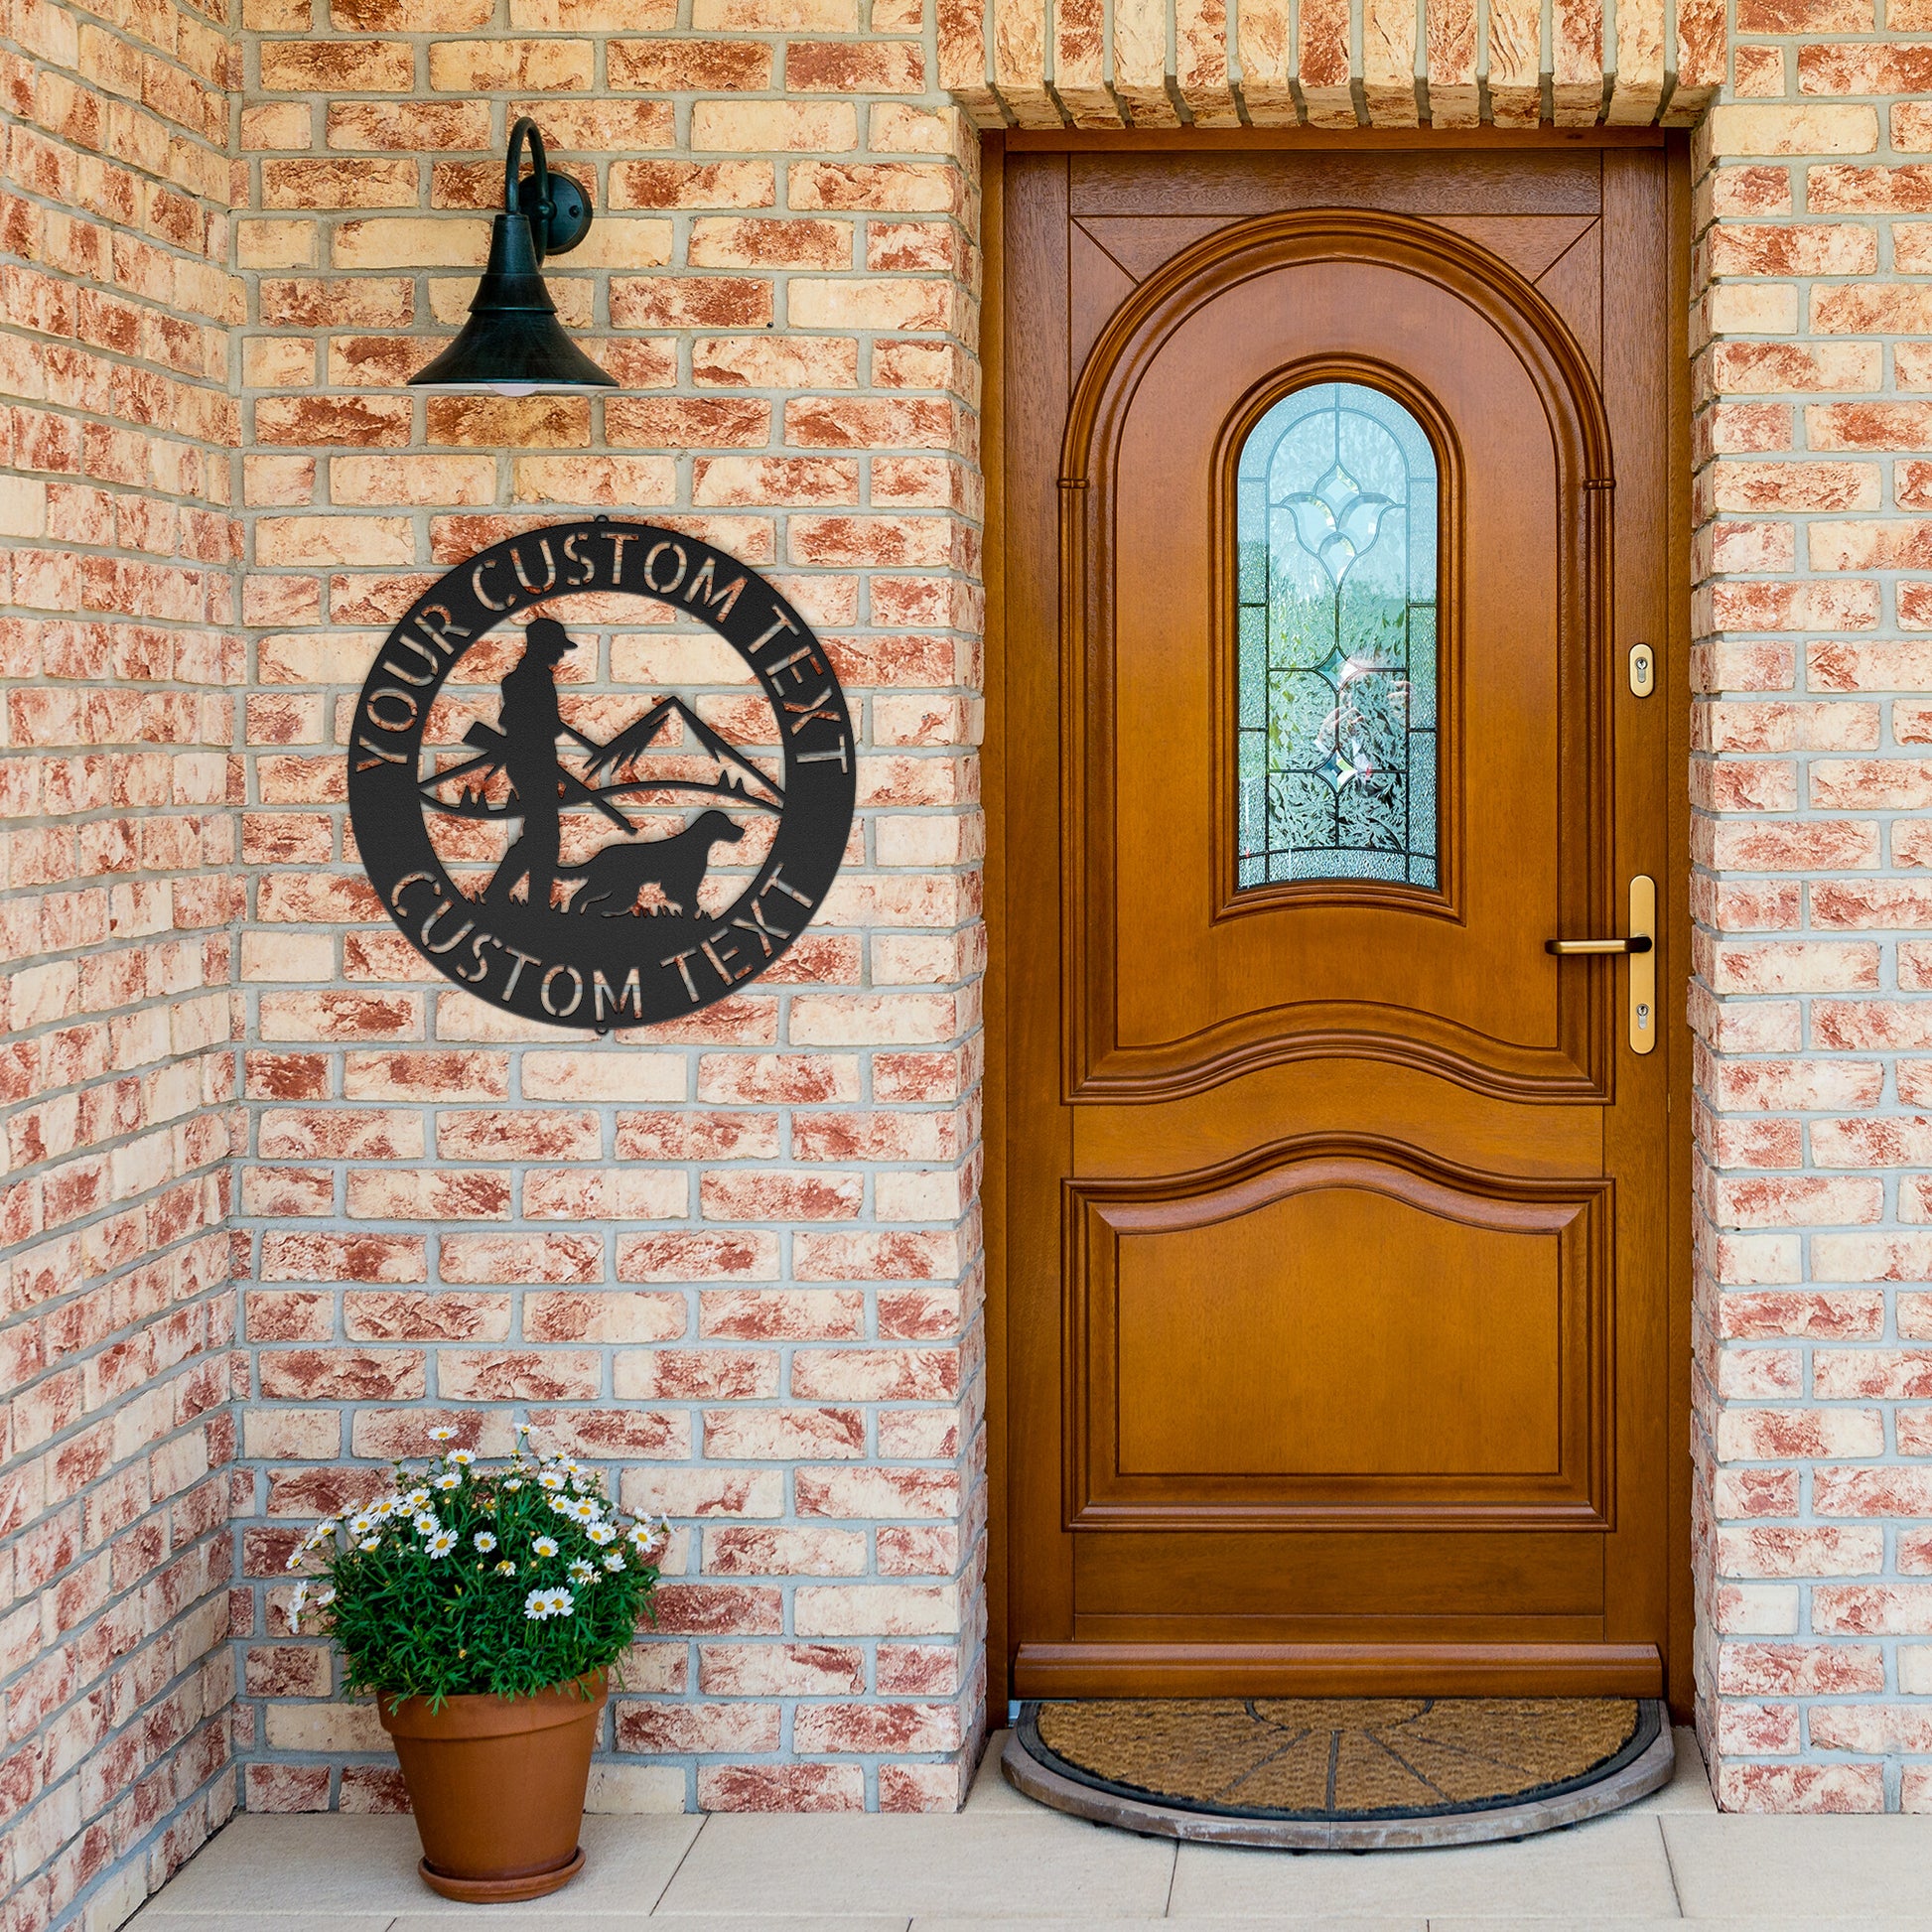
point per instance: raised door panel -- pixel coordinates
(1337, 1335)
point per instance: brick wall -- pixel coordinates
(736, 1260)
(121, 679)
(1811, 783)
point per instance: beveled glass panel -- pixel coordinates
(1335, 509)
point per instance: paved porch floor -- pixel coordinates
(1673, 1857)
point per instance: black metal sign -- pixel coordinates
(582, 915)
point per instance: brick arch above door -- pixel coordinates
(1331, 64)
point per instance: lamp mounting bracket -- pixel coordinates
(557, 209)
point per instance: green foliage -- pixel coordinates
(464, 1578)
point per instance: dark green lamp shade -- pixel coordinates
(513, 342)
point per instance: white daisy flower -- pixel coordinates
(485, 1542)
(562, 1603)
(416, 1498)
(524, 1428)
(360, 1523)
(585, 1510)
(600, 1533)
(614, 1560)
(536, 1606)
(461, 1457)
(506, 1568)
(550, 1480)
(515, 1482)
(295, 1602)
(443, 1434)
(324, 1597)
(449, 1480)
(442, 1543)
(582, 1573)
(426, 1523)
(370, 1542)
(544, 1546)
(294, 1557)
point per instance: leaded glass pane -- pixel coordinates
(1336, 523)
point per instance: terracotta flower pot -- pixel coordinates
(497, 1787)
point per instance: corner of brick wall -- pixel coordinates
(119, 717)
(735, 1259)
(1810, 785)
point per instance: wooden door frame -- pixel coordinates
(1677, 690)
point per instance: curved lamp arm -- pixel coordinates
(540, 211)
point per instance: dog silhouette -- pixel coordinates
(615, 877)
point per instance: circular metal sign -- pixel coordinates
(616, 933)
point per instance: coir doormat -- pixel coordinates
(1341, 1773)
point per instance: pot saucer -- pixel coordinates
(501, 1892)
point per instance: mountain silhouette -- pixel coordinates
(611, 770)
(737, 774)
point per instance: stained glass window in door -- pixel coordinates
(1337, 529)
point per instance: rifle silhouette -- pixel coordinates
(493, 745)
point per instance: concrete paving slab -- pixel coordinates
(1688, 1788)
(1403, 1923)
(310, 1866)
(158, 1919)
(989, 1790)
(1792, 1868)
(561, 1918)
(996, 1867)
(1614, 1868)
(1665, 1925)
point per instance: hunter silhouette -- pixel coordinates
(530, 726)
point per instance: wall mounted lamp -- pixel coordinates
(513, 344)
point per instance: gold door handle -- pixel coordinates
(1570, 948)
(1641, 946)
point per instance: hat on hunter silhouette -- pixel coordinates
(549, 637)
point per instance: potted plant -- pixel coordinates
(485, 1607)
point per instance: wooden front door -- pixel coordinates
(1338, 1209)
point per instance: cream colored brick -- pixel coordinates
(326, 1727)
(896, 127)
(616, 480)
(618, 241)
(783, 126)
(314, 658)
(1806, 128)
(288, 956)
(634, 1789)
(23, 508)
(483, 66)
(617, 1073)
(288, 125)
(300, 1435)
(278, 362)
(275, 244)
(1752, 309)
(855, 303)
(411, 241)
(430, 479)
(278, 482)
(334, 540)
(775, 15)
